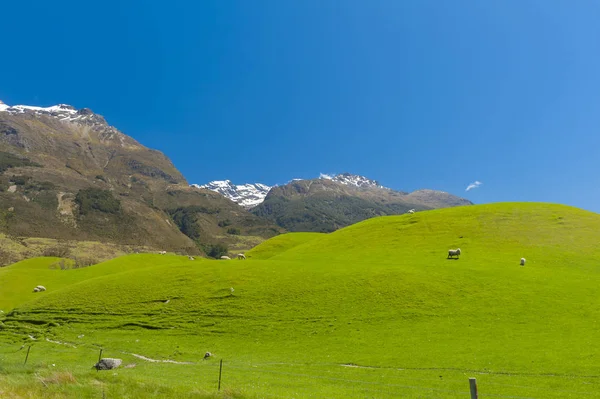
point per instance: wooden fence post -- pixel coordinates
(99, 358)
(473, 386)
(27, 356)
(220, 371)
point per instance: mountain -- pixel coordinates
(331, 202)
(66, 174)
(247, 195)
(251, 194)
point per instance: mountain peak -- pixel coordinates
(247, 195)
(352, 180)
(66, 113)
(62, 112)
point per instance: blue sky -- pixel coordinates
(416, 94)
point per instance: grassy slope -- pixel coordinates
(18, 280)
(280, 244)
(380, 293)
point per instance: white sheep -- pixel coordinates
(224, 257)
(411, 211)
(39, 288)
(241, 256)
(162, 253)
(190, 257)
(522, 261)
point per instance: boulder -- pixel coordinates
(108, 363)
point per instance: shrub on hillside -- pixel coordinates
(217, 250)
(57, 251)
(7, 258)
(84, 261)
(40, 186)
(233, 230)
(96, 199)
(8, 160)
(20, 180)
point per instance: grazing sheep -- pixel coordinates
(453, 252)
(39, 288)
(190, 257)
(522, 261)
(225, 257)
(207, 355)
(162, 253)
(411, 211)
(241, 256)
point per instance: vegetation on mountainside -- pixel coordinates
(325, 214)
(8, 160)
(150, 171)
(185, 219)
(372, 310)
(90, 199)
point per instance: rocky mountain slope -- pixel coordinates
(67, 174)
(331, 202)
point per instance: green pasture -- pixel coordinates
(375, 310)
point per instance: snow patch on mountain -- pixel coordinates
(60, 111)
(352, 180)
(247, 195)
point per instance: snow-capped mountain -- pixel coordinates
(246, 195)
(251, 194)
(62, 112)
(352, 180)
(69, 114)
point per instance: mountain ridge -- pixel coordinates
(325, 205)
(250, 195)
(66, 174)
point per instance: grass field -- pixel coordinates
(374, 310)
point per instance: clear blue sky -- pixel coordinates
(416, 94)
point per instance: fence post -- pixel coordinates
(220, 371)
(27, 356)
(473, 386)
(99, 358)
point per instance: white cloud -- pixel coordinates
(473, 185)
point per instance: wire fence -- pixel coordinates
(299, 380)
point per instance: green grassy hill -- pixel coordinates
(280, 244)
(372, 310)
